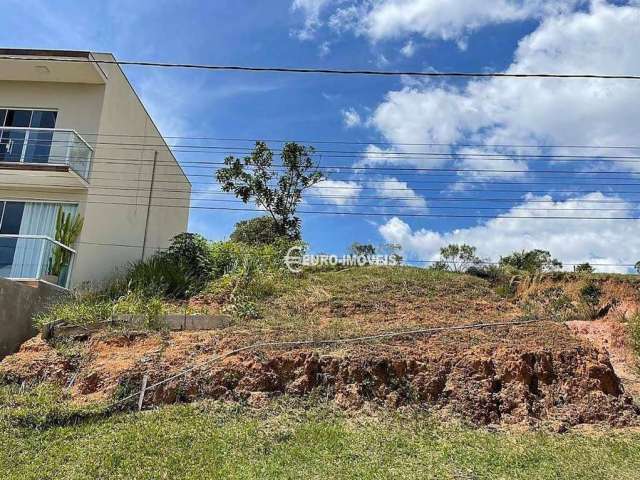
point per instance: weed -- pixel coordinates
(633, 327)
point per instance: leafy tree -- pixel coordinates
(457, 258)
(531, 261)
(637, 267)
(394, 250)
(365, 249)
(583, 268)
(278, 192)
(256, 231)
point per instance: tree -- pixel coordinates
(256, 231)
(533, 261)
(637, 267)
(457, 258)
(583, 268)
(394, 251)
(277, 191)
(365, 249)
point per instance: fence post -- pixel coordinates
(145, 379)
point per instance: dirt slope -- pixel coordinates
(553, 373)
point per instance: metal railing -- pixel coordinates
(51, 146)
(36, 257)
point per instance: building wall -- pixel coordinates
(120, 186)
(115, 205)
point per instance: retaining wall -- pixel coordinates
(19, 302)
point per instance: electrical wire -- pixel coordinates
(328, 71)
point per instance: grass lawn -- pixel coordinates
(290, 439)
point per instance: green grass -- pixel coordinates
(291, 439)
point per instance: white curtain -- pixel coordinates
(37, 219)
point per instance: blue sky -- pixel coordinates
(488, 35)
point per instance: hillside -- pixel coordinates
(572, 365)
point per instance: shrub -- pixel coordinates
(590, 296)
(256, 231)
(457, 258)
(533, 261)
(583, 268)
(159, 275)
(365, 249)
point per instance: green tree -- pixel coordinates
(365, 249)
(256, 231)
(276, 188)
(637, 267)
(394, 250)
(457, 258)
(583, 268)
(533, 261)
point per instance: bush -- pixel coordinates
(533, 261)
(590, 296)
(256, 231)
(583, 268)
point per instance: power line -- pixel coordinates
(347, 142)
(326, 71)
(239, 150)
(373, 214)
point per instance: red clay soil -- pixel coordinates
(540, 374)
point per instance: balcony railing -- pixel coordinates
(46, 146)
(36, 257)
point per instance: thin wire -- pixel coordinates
(345, 142)
(368, 214)
(242, 68)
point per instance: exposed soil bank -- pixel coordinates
(519, 379)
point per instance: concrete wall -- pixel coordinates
(116, 202)
(18, 304)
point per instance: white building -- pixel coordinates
(75, 137)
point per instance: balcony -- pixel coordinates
(45, 149)
(36, 257)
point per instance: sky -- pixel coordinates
(446, 160)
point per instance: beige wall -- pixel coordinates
(115, 205)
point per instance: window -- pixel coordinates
(10, 220)
(26, 146)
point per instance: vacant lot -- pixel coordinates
(292, 439)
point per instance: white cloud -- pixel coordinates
(393, 188)
(451, 20)
(351, 118)
(572, 241)
(433, 19)
(311, 9)
(324, 49)
(409, 49)
(338, 192)
(532, 111)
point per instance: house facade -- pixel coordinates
(87, 182)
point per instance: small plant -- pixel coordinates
(590, 297)
(68, 230)
(634, 332)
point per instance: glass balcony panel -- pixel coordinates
(46, 146)
(33, 257)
